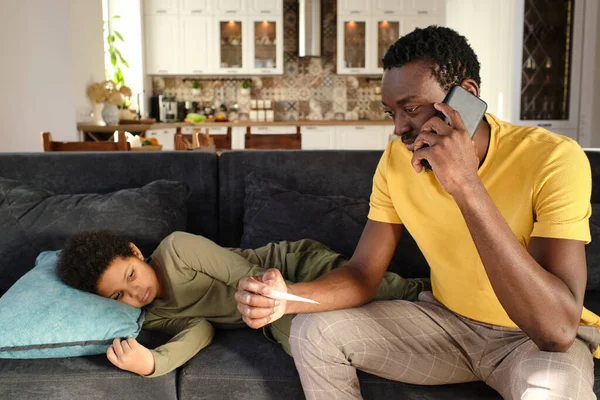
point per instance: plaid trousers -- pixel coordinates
(425, 343)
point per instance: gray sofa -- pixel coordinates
(239, 363)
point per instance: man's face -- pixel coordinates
(129, 280)
(408, 95)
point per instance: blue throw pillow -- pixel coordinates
(41, 317)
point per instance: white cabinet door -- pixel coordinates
(389, 7)
(386, 32)
(354, 46)
(360, 137)
(317, 137)
(195, 52)
(265, 45)
(421, 21)
(230, 7)
(424, 7)
(230, 45)
(161, 44)
(165, 137)
(354, 7)
(196, 7)
(161, 7)
(265, 7)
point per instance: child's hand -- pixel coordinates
(131, 356)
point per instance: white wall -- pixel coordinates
(44, 67)
(488, 26)
(87, 45)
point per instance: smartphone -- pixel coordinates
(470, 107)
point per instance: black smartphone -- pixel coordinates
(470, 107)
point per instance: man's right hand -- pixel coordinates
(258, 310)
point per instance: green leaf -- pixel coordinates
(113, 59)
(117, 34)
(110, 39)
(116, 16)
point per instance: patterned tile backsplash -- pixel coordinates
(308, 89)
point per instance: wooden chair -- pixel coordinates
(198, 142)
(271, 142)
(50, 145)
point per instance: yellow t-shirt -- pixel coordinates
(541, 183)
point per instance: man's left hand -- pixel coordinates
(450, 150)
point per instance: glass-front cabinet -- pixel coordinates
(266, 51)
(365, 33)
(231, 39)
(353, 53)
(388, 31)
(550, 53)
(213, 37)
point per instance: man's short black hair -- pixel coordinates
(87, 255)
(451, 58)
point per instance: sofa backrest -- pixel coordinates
(105, 172)
(322, 173)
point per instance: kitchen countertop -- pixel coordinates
(86, 127)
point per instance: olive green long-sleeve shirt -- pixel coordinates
(199, 279)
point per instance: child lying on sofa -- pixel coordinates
(188, 285)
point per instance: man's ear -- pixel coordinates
(136, 251)
(470, 85)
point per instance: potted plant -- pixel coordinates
(106, 92)
(245, 90)
(196, 86)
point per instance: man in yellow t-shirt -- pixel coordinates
(502, 219)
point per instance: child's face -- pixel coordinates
(130, 280)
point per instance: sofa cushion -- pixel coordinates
(241, 363)
(34, 220)
(273, 213)
(41, 317)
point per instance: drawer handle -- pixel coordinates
(388, 12)
(163, 71)
(232, 71)
(161, 11)
(196, 11)
(265, 11)
(355, 12)
(311, 128)
(359, 127)
(355, 70)
(422, 12)
(230, 11)
(545, 125)
(198, 71)
(266, 71)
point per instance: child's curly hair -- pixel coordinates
(87, 255)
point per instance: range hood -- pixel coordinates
(309, 28)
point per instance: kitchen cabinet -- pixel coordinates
(165, 137)
(194, 59)
(230, 39)
(230, 7)
(353, 7)
(548, 67)
(362, 137)
(161, 32)
(195, 7)
(161, 7)
(265, 7)
(424, 7)
(214, 37)
(265, 55)
(318, 137)
(364, 36)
